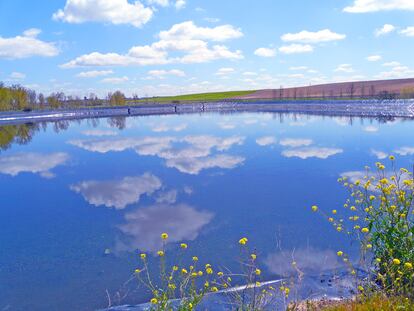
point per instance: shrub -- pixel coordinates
(190, 284)
(381, 220)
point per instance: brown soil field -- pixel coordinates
(398, 87)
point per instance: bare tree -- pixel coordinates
(372, 91)
(117, 99)
(352, 90)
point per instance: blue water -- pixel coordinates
(72, 190)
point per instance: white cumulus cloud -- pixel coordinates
(374, 58)
(106, 11)
(94, 73)
(115, 80)
(296, 49)
(409, 31)
(387, 28)
(26, 45)
(265, 52)
(189, 41)
(163, 73)
(366, 6)
(344, 68)
(305, 36)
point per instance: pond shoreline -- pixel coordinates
(350, 108)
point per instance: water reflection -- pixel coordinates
(163, 127)
(17, 134)
(404, 151)
(189, 154)
(29, 162)
(380, 155)
(143, 227)
(266, 141)
(117, 193)
(312, 152)
(296, 142)
(99, 133)
(169, 197)
(265, 192)
(308, 260)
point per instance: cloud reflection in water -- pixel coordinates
(31, 162)
(117, 193)
(143, 227)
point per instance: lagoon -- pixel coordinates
(82, 198)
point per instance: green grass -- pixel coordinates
(372, 304)
(199, 97)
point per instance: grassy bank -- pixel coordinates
(197, 97)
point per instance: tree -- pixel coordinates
(20, 98)
(372, 91)
(41, 101)
(5, 98)
(117, 99)
(32, 98)
(352, 90)
(407, 93)
(55, 100)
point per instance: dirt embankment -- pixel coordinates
(398, 87)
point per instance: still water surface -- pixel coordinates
(80, 199)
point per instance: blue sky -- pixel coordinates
(160, 47)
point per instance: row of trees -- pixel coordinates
(17, 97)
(352, 90)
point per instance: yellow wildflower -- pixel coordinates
(164, 236)
(214, 289)
(364, 230)
(209, 270)
(314, 208)
(220, 273)
(161, 253)
(253, 256)
(143, 256)
(334, 211)
(340, 253)
(408, 265)
(154, 301)
(195, 258)
(396, 261)
(137, 271)
(184, 271)
(243, 241)
(183, 246)
(257, 272)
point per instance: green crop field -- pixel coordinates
(198, 97)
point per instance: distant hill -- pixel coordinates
(401, 88)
